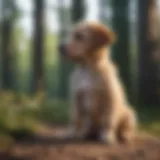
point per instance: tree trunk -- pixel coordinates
(1, 12)
(38, 80)
(121, 53)
(149, 53)
(63, 85)
(77, 12)
(7, 25)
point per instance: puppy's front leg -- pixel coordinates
(79, 126)
(81, 120)
(112, 97)
(108, 127)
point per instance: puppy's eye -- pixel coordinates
(78, 36)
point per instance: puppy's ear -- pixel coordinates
(104, 36)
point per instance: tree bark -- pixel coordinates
(63, 85)
(78, 10)
(121, 53)
(7, 26)
(38, 80)
(149, 53)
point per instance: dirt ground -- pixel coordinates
(48, 144)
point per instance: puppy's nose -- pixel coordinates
(61, 48)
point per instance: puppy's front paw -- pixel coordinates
(107, 138)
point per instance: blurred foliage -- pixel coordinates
(17, 112)
(20, 115)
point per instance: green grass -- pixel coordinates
(152, 128)
(54, 111)
(20, 114)
(149, 118)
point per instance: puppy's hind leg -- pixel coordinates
(108, 131)
(126, 130)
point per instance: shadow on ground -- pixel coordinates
(49, 145)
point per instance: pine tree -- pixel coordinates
(121, 53)
(9, 14)
(78, 10)
(38, 46)
(149, 53)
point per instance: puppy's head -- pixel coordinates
(86, 40)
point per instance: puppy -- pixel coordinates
(99, 105)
